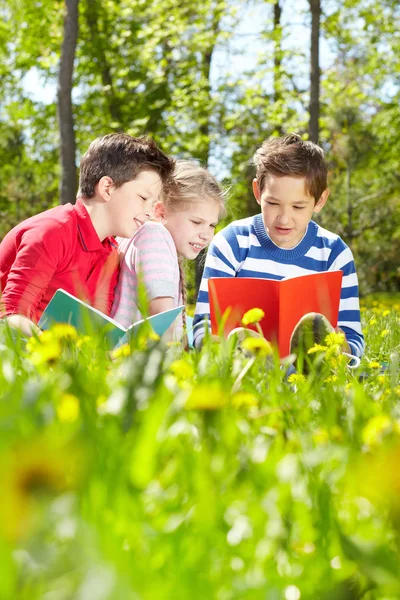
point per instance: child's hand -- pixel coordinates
(345, 348)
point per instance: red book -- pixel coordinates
(284, 302)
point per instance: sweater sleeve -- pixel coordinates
(349, 309)
(223, 260)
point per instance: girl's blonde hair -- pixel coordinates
(194, 184)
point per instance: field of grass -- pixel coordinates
(156, 474)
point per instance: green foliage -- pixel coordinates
(157, 473)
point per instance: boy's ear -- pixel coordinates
(103, 188)
(256, 191)
(322, 201)
(159, 210)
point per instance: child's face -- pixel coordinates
(130, 202)
(193, 228)
(287, 208)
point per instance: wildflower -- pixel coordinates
(335, 339)
(44, 349)
(244, 400)
(257, 346)
(30, 472)
(374, 364)
(296, 378)
(83, 340)
(68, 408)
(317, 348)
(331, 379)
(376, 429)
(182, 370)
(384, 333)
(121, 351)
(207, 396)
(64, 331)
(372, 321)
(254, 315)
(386, 313)
(383, 379)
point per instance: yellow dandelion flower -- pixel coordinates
(182, 369)
(244, 400)
(83, 340)
(374, 364)
(331, 379)
(252, 316)
(64, 331)
(30, 472)
(207, 396)
(335, 339)
(386, 313)
(296, 378)
(320, 437)
(43, 350)
(68, 408)
(376, 429)
(373, 321)
(257, 346)
(383, 379)
(317, 348)
(121, 351)
(384, 333)
(397, 390)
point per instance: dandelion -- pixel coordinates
(68, 408)
(372, 321)
(335, 339)
(121, 352)
(244, 400)
(32, 471)
(376, 429)
(252, 316)
(44, 349)
(374, 364)
(207, 396)
(384, 333)
(64, 331)
(331, 379)
(182, 370)
(257, 346)
(386, 313)
(296, 378)
(317, 348)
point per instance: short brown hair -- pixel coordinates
(121, 157)
(290, 156)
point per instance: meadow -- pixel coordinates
(161, 474)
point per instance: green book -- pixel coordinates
(66, 308)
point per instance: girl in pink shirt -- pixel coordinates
(184, 224)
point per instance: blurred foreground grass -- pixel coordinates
(166, 475)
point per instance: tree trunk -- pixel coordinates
(68, 183)
(313, 127)
(205, 128)
(277, 51)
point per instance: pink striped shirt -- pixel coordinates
(151, 256)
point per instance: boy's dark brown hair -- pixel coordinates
(121, 157)
(290, 156)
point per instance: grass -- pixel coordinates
(156, 474)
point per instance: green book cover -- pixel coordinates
(66, 308)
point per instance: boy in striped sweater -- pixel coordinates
(283, 241)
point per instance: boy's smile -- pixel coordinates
(287, 208)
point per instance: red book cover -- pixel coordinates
(284, 302)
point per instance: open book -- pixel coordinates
(66, 308)
(284, 302)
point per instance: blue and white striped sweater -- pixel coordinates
(244, 249)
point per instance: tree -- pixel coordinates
(313, 127)
(68, 181)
